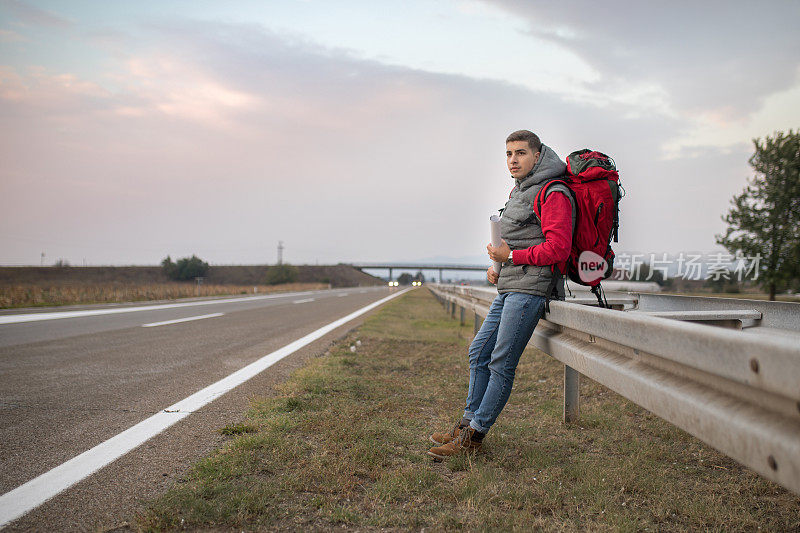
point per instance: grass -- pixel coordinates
(342, 446)
(237, 429)
(42, 295)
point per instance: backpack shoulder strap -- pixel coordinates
(559, 185)
(546, 189)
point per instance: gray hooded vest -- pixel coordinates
(521, 229)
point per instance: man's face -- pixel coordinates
(520, 158)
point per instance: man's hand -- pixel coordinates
(492, 276)
(499, 254)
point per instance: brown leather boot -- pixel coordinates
(463, 443)
(443, 438)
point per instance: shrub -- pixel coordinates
(169, 268)
(185, 269)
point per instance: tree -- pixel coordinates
(722, 279)
(405, 279)
(764, 220)
(646, 273)
(169, 268)
(191, 267)
(283, 273)
(185, 269)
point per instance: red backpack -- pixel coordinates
(593, 181)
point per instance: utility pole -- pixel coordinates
(42, 263)
(280, 252)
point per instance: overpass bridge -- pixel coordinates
(613, 284)
(440, 267)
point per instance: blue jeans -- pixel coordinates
(495, 352)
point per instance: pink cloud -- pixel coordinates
(168, 85)
(10, 36)
(41, 89)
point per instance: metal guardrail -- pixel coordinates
(725, 370)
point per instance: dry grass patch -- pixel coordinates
(35, 295)
(343, 446)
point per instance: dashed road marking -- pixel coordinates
(35, 317)
(176, 321)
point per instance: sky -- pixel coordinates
(365, 131)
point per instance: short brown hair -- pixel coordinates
(525, 135)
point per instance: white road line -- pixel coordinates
(188, 319)
(33, 317)
(341, 295)
(35, 492)
(303, 301)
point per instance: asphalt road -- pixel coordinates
(68, 384)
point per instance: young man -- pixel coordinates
(529, 250)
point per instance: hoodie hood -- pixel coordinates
(548, 166)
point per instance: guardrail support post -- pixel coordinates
(462, 316)
(477, 324)
(452, 309)
(571, 394)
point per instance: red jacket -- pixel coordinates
(557, 229)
